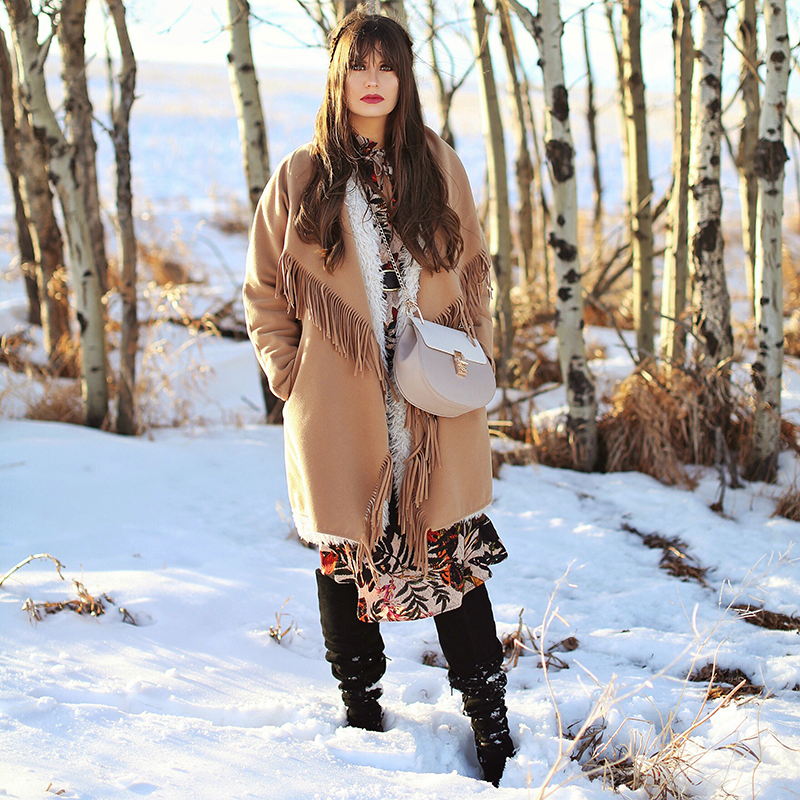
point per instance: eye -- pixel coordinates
(357, 67)
(386, 68)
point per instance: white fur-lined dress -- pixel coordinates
(459, 558)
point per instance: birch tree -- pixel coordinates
(674, 280)
(252, 134)
(711, 324)
(48, 248)
(395, 9)
(625, 145)
(78, 122)
(247, 99)
(11, 151)
(445, 88)
(639, 183)
(31, 57)
(769, 168)
(748, 138)
(547, 28)
(591, 123)
(121, 114)
(499, 218)
(523, 167)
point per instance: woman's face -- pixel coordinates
(371, 91)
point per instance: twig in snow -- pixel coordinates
(59, 565)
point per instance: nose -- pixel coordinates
(372, 76)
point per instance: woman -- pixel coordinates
(375, 209)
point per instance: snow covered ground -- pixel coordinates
(185, 529)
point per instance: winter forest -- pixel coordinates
(636, 167)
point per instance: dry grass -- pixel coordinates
(232, 224)
(61, 402)
(722, 682)
(523, 640)
(280, 629)
(163, 264)
(772, 620)
(675, 558)
(667, 765)
(430, 658)
(658, 426)
(788, 504)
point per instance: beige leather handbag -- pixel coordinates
(440, 369)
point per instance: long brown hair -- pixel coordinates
(420, 215)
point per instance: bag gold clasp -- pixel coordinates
(460, 364)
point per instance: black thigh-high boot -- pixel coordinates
(475, 656)
(355, 652)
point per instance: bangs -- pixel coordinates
(356, 42)
(371, 43)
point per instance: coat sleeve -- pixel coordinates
(272, 326)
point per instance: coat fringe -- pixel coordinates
(474, 277)
(424, 458)
(349, 333)
(377, 506)
(455, 316)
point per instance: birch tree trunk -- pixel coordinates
(247, 99)
(252, 135)
(62, 156)
(11, 151)
(624, 135)
(640, 187)
(445, 98)
(673, 291)
(121, 114)
(48, 246)
(711, 324)
(78, 123)
(769, 168)
(745, 157)
(499, 217)
(344, 7)
(547, 28)
(591, 120)
(523, 167)
(395, 9)
(540, 230)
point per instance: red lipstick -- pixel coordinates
(372, 98)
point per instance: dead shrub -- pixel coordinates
(85, 603)
(657, 426)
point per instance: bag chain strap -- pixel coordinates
(411, 305)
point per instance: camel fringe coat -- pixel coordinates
(314, 338)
